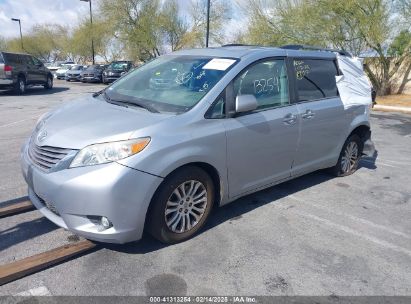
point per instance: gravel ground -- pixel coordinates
(315, 235)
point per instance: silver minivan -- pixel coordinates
(187, 131)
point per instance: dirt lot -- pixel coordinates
(315, 235)
(402, 100)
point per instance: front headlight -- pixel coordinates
(108, 152)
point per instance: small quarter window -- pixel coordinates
(315, 79)
(267, 81)
(218, 109)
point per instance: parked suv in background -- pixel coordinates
(115, 70)
(196, 128)
(21, 70)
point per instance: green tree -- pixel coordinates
(353, 25)
(135, 25)
(45, 41)
(78, 46)
(400, 48)
(173, 27)
(3, 43)
(219, 14)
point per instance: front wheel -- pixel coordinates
(349, 157)
(181, 205)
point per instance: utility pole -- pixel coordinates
(208, 22)
(21, 35)
(91, 22)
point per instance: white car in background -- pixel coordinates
(62, 71)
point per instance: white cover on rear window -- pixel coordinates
(353, 86)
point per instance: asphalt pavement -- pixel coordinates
(315, 235)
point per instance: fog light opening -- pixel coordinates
(105, 222)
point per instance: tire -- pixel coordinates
(49, 83)
(20, 87)
(349, 157)
(172, 227)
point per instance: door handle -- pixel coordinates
(290, 119)
(308, 114)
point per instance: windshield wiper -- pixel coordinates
(95, 94)
(130, 104)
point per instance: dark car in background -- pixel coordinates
(93, 73)
(74, 74)
(17, 71)
(115, 70)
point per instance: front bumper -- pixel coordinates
(111, 78)
(73, 77)
(60, 76)
(91, 78)
(74, 198)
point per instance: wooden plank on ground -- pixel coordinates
(18, 269)
(16, 208)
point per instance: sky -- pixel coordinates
(65, 12)
(38, 11)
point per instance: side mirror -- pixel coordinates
(245, 103)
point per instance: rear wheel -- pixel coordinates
(49, 83)
(20, 87)
(349, 157)
(181, 205)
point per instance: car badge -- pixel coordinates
(42, 136)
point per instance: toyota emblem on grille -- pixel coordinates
(42, 136)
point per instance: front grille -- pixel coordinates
(46, 157)
(49, 206)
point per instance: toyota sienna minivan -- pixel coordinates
(187, 131)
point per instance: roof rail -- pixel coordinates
(237, 44)
(314, 48)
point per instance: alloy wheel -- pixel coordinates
(186, 206)
(22, 86)
(349, 159)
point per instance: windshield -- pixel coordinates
(77, 68)
(94, 67)
(65, 67)
(170, 83)
(118, 65)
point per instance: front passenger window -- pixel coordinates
(267, 81)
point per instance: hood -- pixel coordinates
(92, 120)
(74, 72)
(62, 70)
(115, 70)
(94, 71)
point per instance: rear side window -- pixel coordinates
(315, 79)
(11, 58)
(1, 58)
(26, 59)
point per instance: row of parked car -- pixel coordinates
(104, 73)
(18, 71)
